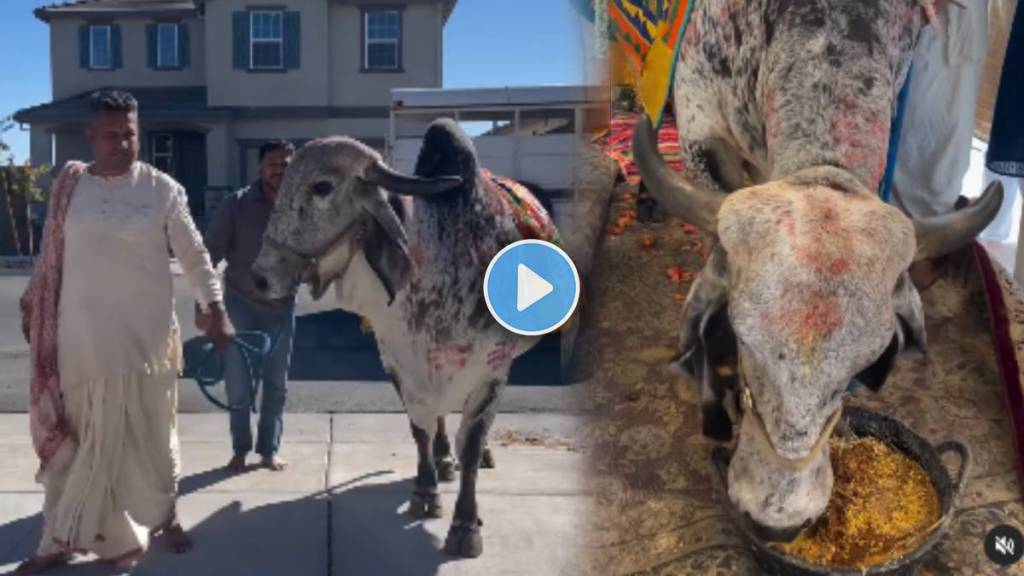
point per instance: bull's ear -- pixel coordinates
(707, 345)
(876, 374)
(910, 334)
(910, 314)
(386, 252)
(708, 294)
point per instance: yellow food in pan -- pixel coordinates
(883, 505)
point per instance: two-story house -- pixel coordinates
(216, 78)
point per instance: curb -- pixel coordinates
(16, 265)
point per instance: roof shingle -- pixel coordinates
(78, 7)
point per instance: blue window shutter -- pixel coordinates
(240, 25)
(292, 40)
(183, 51)
(83, 45)
(115, 46)
(151, 45)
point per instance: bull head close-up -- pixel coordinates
(806, 290)
(337, 198)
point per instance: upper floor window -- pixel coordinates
(265, 40)
(167, 45)
(266, 49)
(382, 33)
(100, 47)
(167, 50)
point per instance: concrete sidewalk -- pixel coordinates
(339, 507)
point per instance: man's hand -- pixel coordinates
(218, 327)
(202, 319)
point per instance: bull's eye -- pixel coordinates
(322, 188)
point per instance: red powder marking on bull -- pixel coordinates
(861, 135)
(840, 266)
(418, 255)
(821, 317)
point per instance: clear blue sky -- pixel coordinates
(487, 43)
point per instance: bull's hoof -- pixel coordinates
(425, 505)
(486, 459)
(446, 469)
(464, 541)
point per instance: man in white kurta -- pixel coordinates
(119, 354)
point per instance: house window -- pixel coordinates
(162, 152)
(266, 48)
(100, 53)
(381, 33)
(167, 46)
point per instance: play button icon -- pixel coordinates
(531, 287)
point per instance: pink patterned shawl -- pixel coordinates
(52, 436)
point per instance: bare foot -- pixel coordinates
(274, 463)
(37, 564)
(178, 538)
(237, 464)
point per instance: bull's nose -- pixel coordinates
(261, 282)
(775, 534)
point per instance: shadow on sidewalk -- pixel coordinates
(372, 534)
(19, 538)
(353, 528)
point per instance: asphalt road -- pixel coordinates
(303, 396)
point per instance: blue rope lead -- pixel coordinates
(254, 346)
(885, 189)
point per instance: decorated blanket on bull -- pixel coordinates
(532, 219)
(657, 510)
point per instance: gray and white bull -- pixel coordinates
(784, 109)
(414, 269)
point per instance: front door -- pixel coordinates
(182, 155)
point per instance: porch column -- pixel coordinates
(219, 166)
(41, 145)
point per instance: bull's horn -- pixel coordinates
(945, 233)
(692, 203)
(388, 179)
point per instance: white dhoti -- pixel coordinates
(935, 146)
(123, 479)
(119, 355)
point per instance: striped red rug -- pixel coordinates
(617, 143)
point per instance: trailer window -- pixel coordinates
(478, 123)
(547, 121)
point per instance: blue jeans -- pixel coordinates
(246, 315)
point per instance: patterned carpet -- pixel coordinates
(617, 142)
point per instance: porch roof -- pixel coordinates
(186, 103)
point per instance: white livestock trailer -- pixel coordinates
(534, 134)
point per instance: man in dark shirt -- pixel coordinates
(236, 235)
